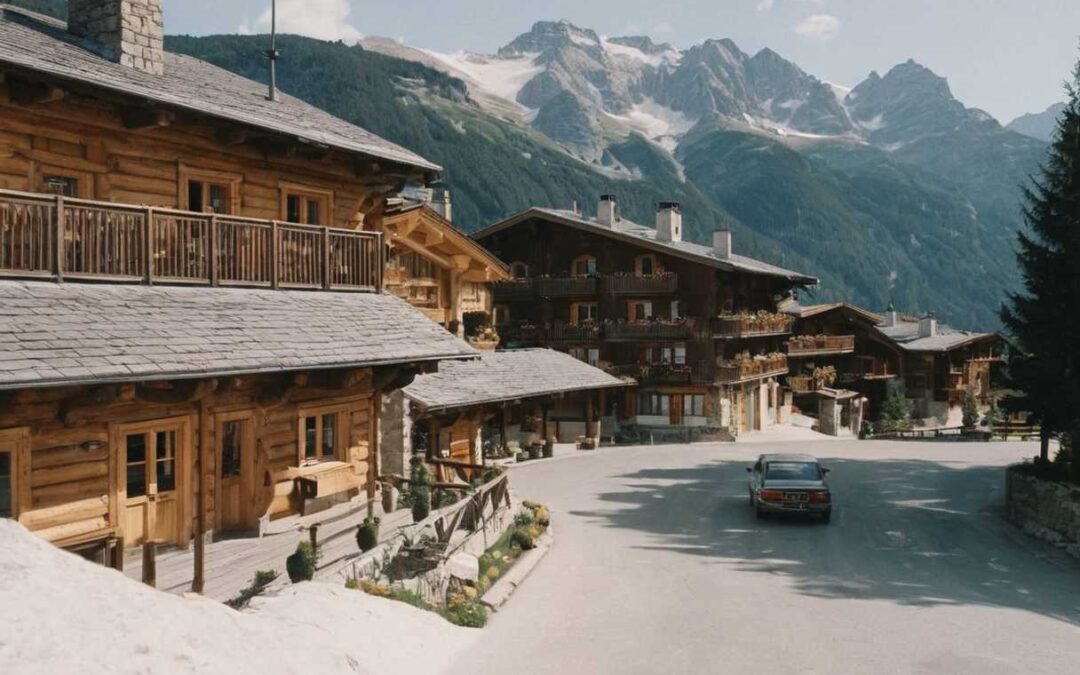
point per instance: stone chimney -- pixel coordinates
(928, 326)
(131, 32)
(668, 221)
(607, 213)
(721, 243)
(890, 316)
(442, 205)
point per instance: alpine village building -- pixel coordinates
(194, 336)
(696, 327)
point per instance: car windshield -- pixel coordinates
(792, 471)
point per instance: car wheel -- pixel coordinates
(826, 517)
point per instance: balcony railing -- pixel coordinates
(647, 330)
(565, 332)
(65, 238)
(566, 287)
(627, 284)
(513, 289)
(802, 384)
(522, 334)
(751, 325)
(820, 345)
(751, 368)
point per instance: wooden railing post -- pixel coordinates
(215, 273)
(380, 262)
(149, 563)
(58, 243)
(313, 535)
(326, 258)
(148, 214)
(275, 254)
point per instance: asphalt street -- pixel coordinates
(659, 566)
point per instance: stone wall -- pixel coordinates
(1044, 509)
(131, 31)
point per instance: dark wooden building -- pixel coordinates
(696, 326)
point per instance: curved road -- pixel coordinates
(660, 567)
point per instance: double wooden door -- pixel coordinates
(153, 467)
(235, 433)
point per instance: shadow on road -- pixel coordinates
(914, 532)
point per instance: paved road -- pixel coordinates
(660, 567)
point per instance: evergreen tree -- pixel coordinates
(1044, 319)
(895, 411)
(970, 407)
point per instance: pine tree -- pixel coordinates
(1044, 319)
(970, 407)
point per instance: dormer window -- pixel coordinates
(519, 270)
(645, 265)
(584, 266)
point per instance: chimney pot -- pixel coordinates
(722, 244)
(928, 326)
(607, 213)
(890, 316)
(668, 221)
(130, 32)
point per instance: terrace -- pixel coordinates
(820, 345)
(733, 326)
(56, 237)
(747, 368)
(629, 284)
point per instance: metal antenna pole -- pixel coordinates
(272, 53)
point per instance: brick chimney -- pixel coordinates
(928, 326)
(607, 212)
(131, 32)
(668, 221)
(721, 243)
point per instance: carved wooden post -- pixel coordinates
(275, 254)
(326, 258)
(58, 243)
(148, 216)
(212, 251)
(198, 580)
(149, 563)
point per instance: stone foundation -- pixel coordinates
(1044, 509)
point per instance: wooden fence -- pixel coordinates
(64, 238)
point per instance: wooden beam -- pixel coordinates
(25, 93)
(73, 409)
(231, 136)
(460, 262)
(146, 118)
(186, 391)
(423, 250)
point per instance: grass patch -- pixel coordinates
(263, 578)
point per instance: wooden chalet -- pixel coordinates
(696, 326)
(438, 269)
(193, 333)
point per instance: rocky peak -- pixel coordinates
(548, 36)
(642, 43)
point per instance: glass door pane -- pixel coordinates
(165, 461)
(136, 465)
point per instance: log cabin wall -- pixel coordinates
(76, 482)
(87, 150)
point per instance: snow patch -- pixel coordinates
(656, 121)
(668, 57)
(875, 123)
(502, 77)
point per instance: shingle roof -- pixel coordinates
(53, 334)
(626, 230)
(505, 376)
(41, 45)
(807, 311)
(905, 334)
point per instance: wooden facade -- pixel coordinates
(703, 339)
(439, 270)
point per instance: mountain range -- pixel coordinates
(890, 191)
(1041, 125)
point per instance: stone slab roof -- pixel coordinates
(73, 333)
(505, 376)
(905, 334)
(43, 45)
(632, 232)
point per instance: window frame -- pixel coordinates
(16, 441)
(84, 179)
(639, 265)
(575, 309)
(342, 413)
(631, 310)
(306, 193)
(514, 269)
(585, 258)
(233, 181)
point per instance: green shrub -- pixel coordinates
(301, 564)
(469, 613)
(522, 539)
(353, 584)
(407, 596)
(263, 578)
(367, 534)
(895, 411)
(447, 498)
(421, 502)
(524, 518)
(970, 407)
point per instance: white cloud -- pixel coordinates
(822, 27)
(765, 5)
(322, 19)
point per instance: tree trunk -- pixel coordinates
(1044, 444)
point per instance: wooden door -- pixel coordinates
(153, 460)
(14, 472)
(235, 491)
(675, 410)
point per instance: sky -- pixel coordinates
(1007, 57)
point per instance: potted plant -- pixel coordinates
(367, 534)
(301, 564)
(390, 495)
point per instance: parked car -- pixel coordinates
(790, 483)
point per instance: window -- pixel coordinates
(584, 266)
(501, 315)
(209, 191)
(654, 404)
(792, 471)
(307, 206)
(693, 405)
(60, 185)
(640, 310)
(7, 495)
(323, 434)
(589, 355)
(676, 310)
(14, 472)
(519, 270)
(674, 355)
(136, 465)
(232, 441)
(645, 265)
(165, 460)
(583, 312)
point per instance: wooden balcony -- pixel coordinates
(733, 326)
(820, 345)
(802, 384)
(565, 332)
(566, 287)
(512, 289)
(63, 238)
(702, 373)
(656, 284)
(621, 331)
(751, 368)
(522, 334)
